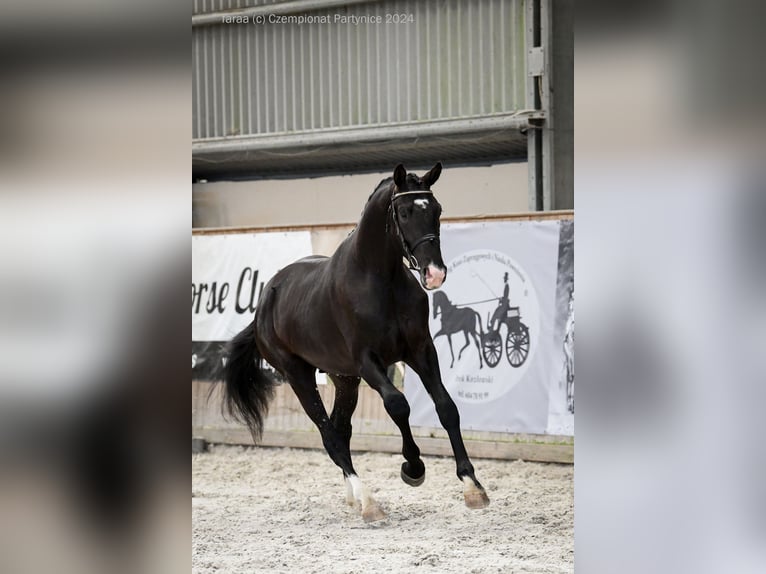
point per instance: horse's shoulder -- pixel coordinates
(409, 291)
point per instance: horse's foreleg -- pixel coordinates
(451, 353)
(426, 364)
(346, 396)
(413, 471)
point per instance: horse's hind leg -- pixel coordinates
(304, 384)
(413, 470)
(300, 374)
(346, 396)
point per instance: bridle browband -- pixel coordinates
(408, 250)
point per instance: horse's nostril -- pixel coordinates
(435, 273)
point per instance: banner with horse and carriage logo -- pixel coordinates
(503, 326)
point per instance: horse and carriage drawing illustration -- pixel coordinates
(461, 318)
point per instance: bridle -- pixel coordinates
(408, 250)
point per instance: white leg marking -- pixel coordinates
(370, 509)
(359, 491)
(350, 498)
(469, 485)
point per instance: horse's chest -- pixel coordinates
(389, 331)
(381, 322)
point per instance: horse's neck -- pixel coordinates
(373, 244)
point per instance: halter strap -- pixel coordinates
(401, 193)
(408, 251)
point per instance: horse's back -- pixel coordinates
(306, 268)
(302, 282)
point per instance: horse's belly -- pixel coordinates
(319, 342)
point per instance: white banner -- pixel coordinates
(228, 273)
(494, 327)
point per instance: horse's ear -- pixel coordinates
(400, 176)
(430, 178)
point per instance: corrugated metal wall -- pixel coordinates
(208, 6)
(458, 59)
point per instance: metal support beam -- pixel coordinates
(546, 103)
(516, 121)
(560, 131)
(535, 69)
(550, 153)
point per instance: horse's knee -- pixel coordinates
(397, 406)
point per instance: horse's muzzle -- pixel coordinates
(433, 276)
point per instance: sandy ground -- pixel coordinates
(284, 510)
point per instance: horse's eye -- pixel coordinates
(403, 213)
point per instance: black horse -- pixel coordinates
(455, 320)
(352, 315)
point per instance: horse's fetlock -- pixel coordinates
(465, 469)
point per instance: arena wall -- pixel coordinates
(288, 425)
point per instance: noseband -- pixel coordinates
(408, 250)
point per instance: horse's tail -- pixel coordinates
(247, 388)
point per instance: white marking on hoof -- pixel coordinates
(421, 203)
(475, 496)
(371, 511)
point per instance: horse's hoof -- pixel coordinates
(373, 513)
(410, 480)
(476, 499)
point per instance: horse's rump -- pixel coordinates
(301, 295)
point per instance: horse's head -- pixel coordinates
(416, 215)
(439, 301)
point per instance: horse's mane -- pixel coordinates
(383, 183)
